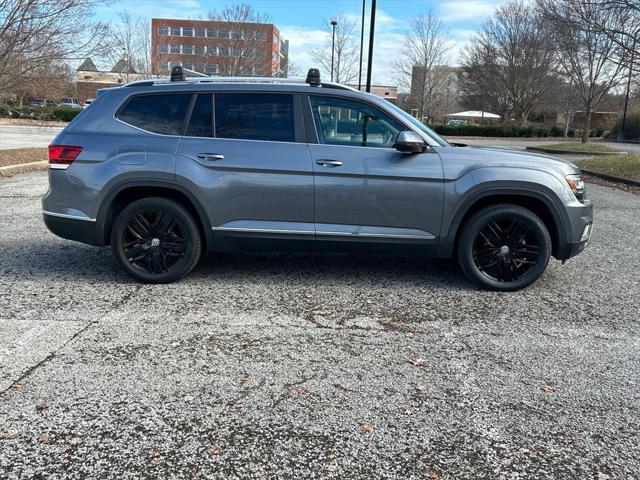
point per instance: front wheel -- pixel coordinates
(504, 247)
(156, 240)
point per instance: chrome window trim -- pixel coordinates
(326, 233)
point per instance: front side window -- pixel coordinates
(201, 120)
(255, 116)
(340, 121)
(163, 113)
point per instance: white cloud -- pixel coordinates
(465, 10)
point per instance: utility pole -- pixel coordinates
(333, 44)
(361, 46)
(372, 28)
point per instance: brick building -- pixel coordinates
(89, 79)
(218, 48)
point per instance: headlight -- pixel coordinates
(576, 185)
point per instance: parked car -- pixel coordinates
(88, 102)
(42, 103)
(454, 122)
(72, 106)
(166, 171)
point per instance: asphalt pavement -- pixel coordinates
(14, 136)
(316, 366)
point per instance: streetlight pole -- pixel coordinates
(361, 46)
(626, 96)
(372, 28)
(333, 44)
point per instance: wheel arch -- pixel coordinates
(129, 191)
(536, 201)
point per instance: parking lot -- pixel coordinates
(327, 366)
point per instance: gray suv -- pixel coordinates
(166, 170)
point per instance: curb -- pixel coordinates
(569, 152)
(23, 167)
(611, 178)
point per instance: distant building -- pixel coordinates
(218, 48)
(576, 119)
(387, 92)
(89, 79)
(446, 95)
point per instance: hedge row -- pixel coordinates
(631, 127)
(39, 113)
(508, 131)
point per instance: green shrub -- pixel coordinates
(40, 113)
(631, 127)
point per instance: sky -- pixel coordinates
(301, 22)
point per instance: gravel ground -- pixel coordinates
(282, 366)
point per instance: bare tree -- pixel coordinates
(127, 46)
(586, 55)
(346, 51)
(424, 51)
(513, 50)
(241, 51)
(36, 33)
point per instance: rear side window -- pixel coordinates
(163, 114)
(255, 116)
(201, 120)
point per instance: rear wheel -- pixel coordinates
(504, 247)
(156, 240)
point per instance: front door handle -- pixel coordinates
(211, 156)
(329, 163)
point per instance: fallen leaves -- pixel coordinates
(548, 389)
(433, 473)
(153, 453)
(41, 406)
(44, 438)
(367, 428)
(17, 386)
(418, 362)
(214, 450)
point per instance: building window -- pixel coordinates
(211, 50)
(260, 35)
(187, 49)
(223, 51)
(175, 31)
(223, 33)
(175, 48)
(211, 69)
(187, 31)
(236, 34)
(212, 33)
(198, 50)
(164, 48)
(199, 32)
(163, 30)
(188, 66)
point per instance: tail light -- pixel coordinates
(61, 156)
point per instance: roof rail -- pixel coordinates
(184, 75)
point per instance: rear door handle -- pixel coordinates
(329, 163)
(211, 156)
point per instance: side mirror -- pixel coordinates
(409, 142)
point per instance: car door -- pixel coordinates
(365, 189)
(245, 154)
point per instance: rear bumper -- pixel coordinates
(579, 230)
(80, 230)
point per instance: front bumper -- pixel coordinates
(579, 229)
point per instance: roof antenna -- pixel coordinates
(313, 77)
(177, 74)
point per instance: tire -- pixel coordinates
(504, 247)
(156, 240)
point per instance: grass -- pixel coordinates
(580, 147)
(625, 166)
(17, 156)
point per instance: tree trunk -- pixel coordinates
(566, 124)
(587, 126)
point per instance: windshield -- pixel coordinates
(421, 126)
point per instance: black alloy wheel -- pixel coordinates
(504, 247)
(156, 240)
